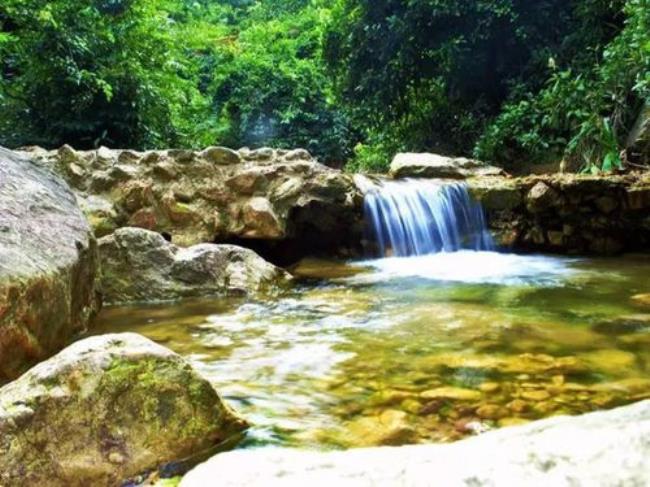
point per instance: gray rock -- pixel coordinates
(542, 197)
(221, 155)
(425, 165)
(47, 265)
(105, 409)
(298, 155)
(140, 265)
(261, 154)
(599, 449)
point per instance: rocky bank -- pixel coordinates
(568, 213)
(564, 213)
(284, 204)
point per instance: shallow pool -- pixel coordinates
(420, 349)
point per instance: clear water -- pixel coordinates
(419, 217)
(422, 349)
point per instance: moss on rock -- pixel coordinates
(106, 409)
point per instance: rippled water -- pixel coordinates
(405, 350)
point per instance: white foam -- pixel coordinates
(471, 267)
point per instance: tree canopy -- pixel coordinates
(350, 80)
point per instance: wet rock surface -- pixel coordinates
(139, 265)
(282, 203)
(105, 409)
(47, 265)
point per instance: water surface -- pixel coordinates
(420, 349)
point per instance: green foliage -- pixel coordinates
(145, 73)
(508, 81)
(585, 110)
(270, 87)
(90, 72)
(433, 73)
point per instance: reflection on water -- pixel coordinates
(418, 349)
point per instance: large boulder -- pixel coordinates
(215, 195)
(425, 165)
(140, 265)
(605, 448)
(105, 409)
(47, 265)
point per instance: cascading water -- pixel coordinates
(418, 217)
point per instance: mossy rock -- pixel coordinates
(107, 409)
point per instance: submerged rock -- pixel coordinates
(425, 165)
(642, 299)
(140, 265)
(453, 393)
(391, 427)
(605, 448)
(47, 265)
(105, 409)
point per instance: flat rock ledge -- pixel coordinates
(604, 449)
(48, 261)
(426, 165)
(106, 409)
(138, 265)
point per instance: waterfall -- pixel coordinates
(417, 217)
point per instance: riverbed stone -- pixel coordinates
(140, 265)
(391, 427)
(642, 299)
(105, 409)
(48, 263)
(453, 393)
(604, 448)
(610, 361)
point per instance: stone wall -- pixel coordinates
(284, 204)
(568, 213)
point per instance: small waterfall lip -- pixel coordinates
(413, 217)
